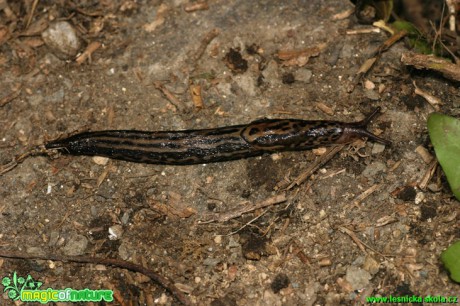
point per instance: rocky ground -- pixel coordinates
(362, 225)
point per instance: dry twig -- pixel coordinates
(374, 58)
(365, 194)
(196, 6)
(361, 245)
(90, 49)
(204, 44)
(169, 95)
(31, 14)
(315, 165)
(223, 217)
(422, 61)
(161, 280)
(432, 100)
(20, 158)
(428, 175)
(5, 100)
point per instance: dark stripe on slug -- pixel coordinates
(222, 131)
(192, 155)
(171, 135)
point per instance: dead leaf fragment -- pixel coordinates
(159, 20)
(195, 91)
(299, 57)
(196, 6)
(173, 209)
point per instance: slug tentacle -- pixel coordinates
(358, 130)
(214, 145)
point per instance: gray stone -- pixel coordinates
(62, 39)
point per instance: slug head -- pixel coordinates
(356, 130)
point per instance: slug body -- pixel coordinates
(214, 145)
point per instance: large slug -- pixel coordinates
(215, 145)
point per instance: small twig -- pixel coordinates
(315, 165)
(196, 6)
(32, 12)
(247, 223)
(96, 13)
(438, 33)
(422, 61)
(225, 216)
(297, 251)
(343, 15)
(451, 8)
(428, 175)
(161, 280)
(20, 158)
(169, 95)
(204, 44)
(7, 10)
(361, 245)
(424, 154)
(353, 237)
(432, 100)
(365, 194)
(369, 63)
(5, 100)
(363, 31)
(90, 49)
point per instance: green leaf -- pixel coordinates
(445, 137)
(451, 260)
(416, 39)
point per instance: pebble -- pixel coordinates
(115, 232)
(35, 250)
(372, 94)
(56, 97)
(347, 51)
(232, 243)
(211, 262)
(271, 73)
(76, 245)
(377, 148)
(99, 160)
(303, 75)
(357, 277)
(125, 217)
(369, 84)
(218, 239)
(124, 251)
(311, 293)
(419, 198)
(271, 298)
(247, 84)
(371, 265)
(62, 39)
(53, 239)
(374, 168)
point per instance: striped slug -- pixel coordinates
(215, 145)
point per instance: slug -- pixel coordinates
(189, 147)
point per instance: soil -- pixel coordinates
(326, 244)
